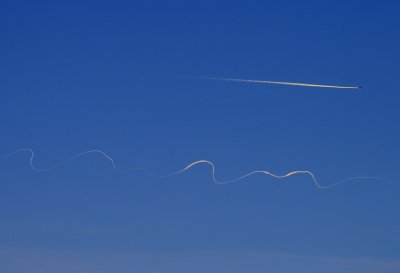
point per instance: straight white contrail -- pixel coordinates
(283, 83)
(191, 165)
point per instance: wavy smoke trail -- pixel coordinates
(191, 165)
(282, 83)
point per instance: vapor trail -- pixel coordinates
(189, 166)
(283, 83)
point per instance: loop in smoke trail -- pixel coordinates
(189, 166)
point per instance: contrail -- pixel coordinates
(191, 165)
(282, 83)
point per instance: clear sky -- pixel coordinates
(118, 76)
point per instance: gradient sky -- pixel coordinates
(117, 76)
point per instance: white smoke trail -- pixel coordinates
(191, 165)
(282, 83)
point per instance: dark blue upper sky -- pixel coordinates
(118, 76)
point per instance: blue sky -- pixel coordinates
(118, 76)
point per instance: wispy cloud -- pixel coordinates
(103, 261)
